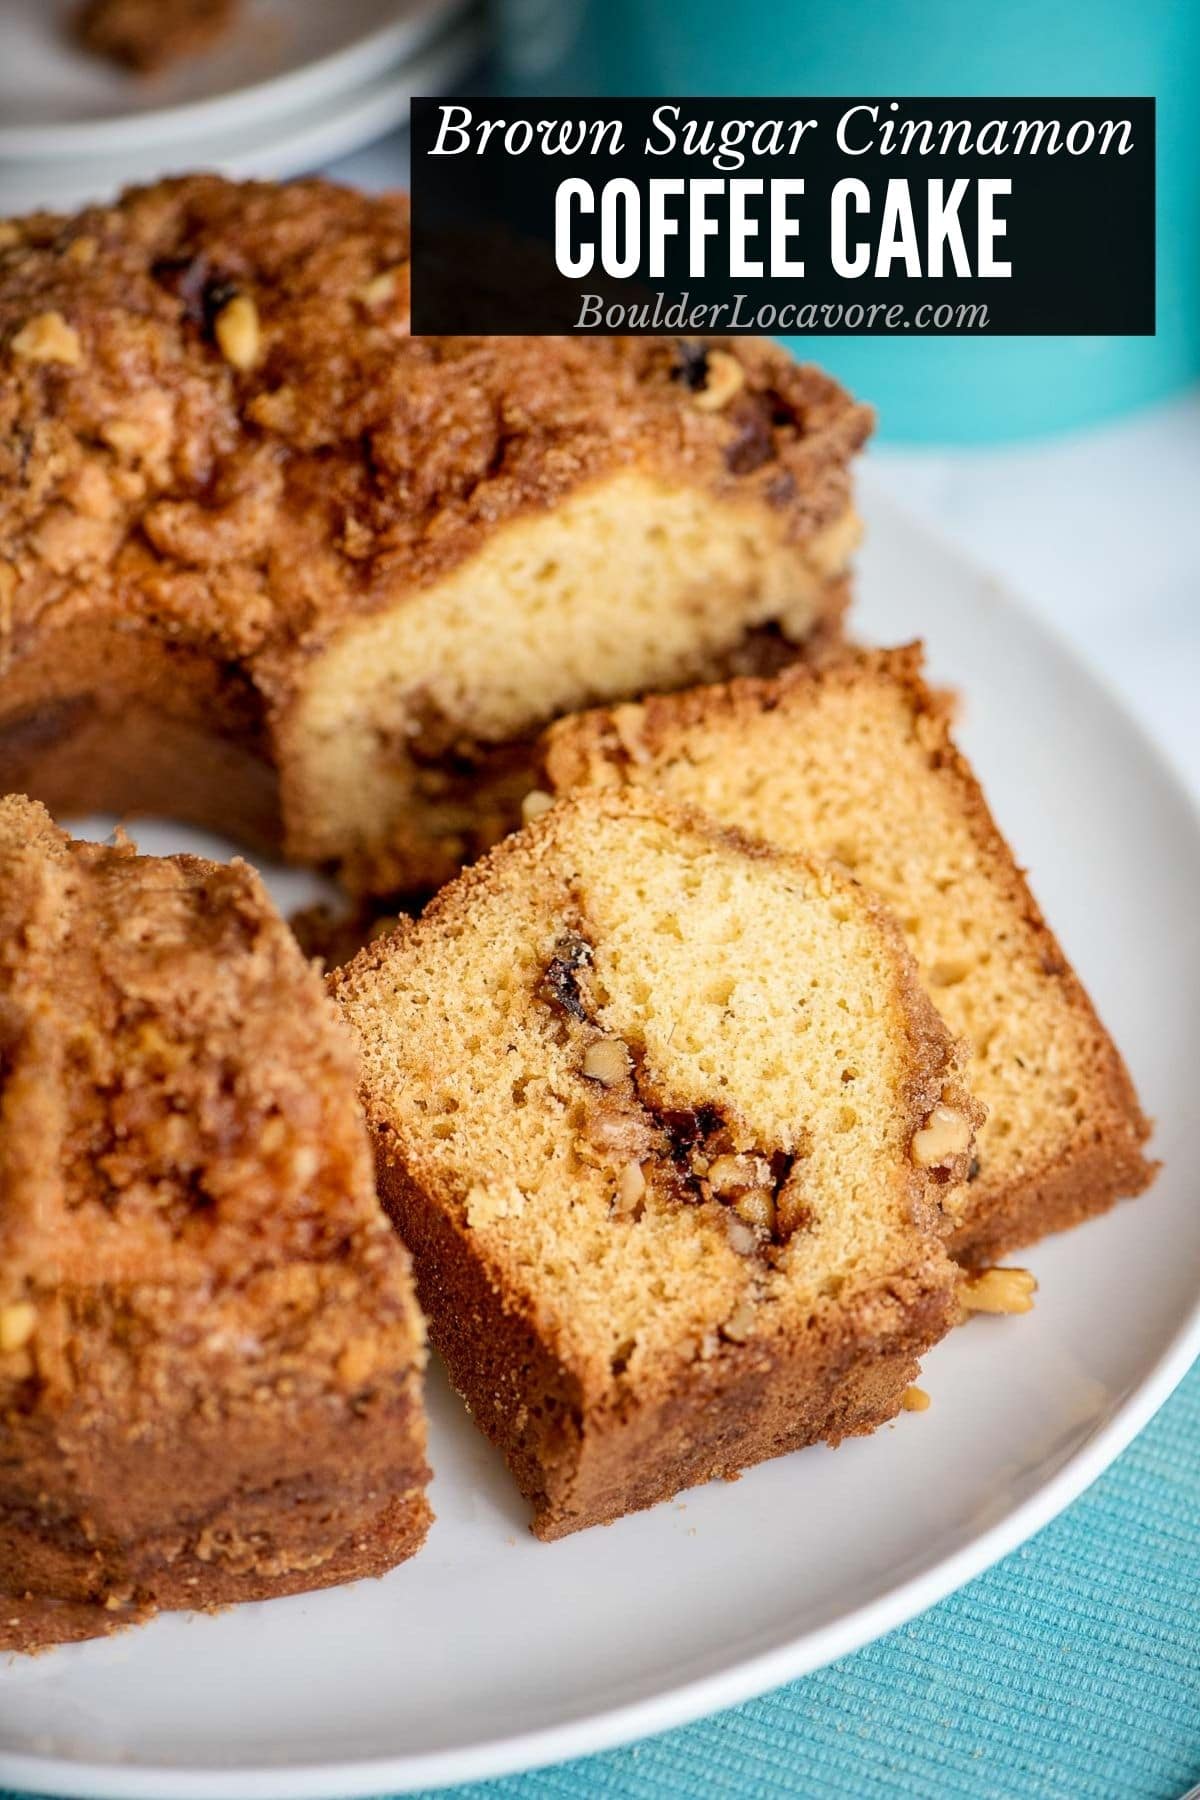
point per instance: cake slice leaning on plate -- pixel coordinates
(210, 1350)
(674, 1137)
(857, 761)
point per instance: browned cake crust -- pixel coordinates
(857, 760)
(581, 1458)
(620, 1344)
(223, 460)
(210, 1352)
(147, 35)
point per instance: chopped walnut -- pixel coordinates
(742, 1237)
(724, 378)
(631, 1188)
(997, 1291)
(535, 803)
(486, 1204)
(945, 1135)
(757, 1207)
(607, 1061)
(238, 333)
(47, 338)
(380, 289)
(740, 1323)
(356, 1364)
(726, 1174)
(18, 1322)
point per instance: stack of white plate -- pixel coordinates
(294, 84)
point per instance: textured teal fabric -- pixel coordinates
(1069, 1672)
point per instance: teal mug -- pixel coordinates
(934, 389)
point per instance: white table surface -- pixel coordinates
(1098, 530)
(1100, 533)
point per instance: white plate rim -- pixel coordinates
(319, 80)
(755, 1675)
(276, 149)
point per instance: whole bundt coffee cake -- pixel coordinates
(270, 564)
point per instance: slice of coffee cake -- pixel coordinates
(210, 1350)
(673, 1136)
(856, 761)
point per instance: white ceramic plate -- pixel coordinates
(57, 101)
(491, 1652)
(279, 144)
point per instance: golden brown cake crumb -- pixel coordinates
(645, 1098)
(210, 1351)
(857, 761)
(269, 563)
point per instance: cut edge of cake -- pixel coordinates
(593, 1423)
(1079, 1173)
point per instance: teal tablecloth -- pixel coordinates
(1069, 1672)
